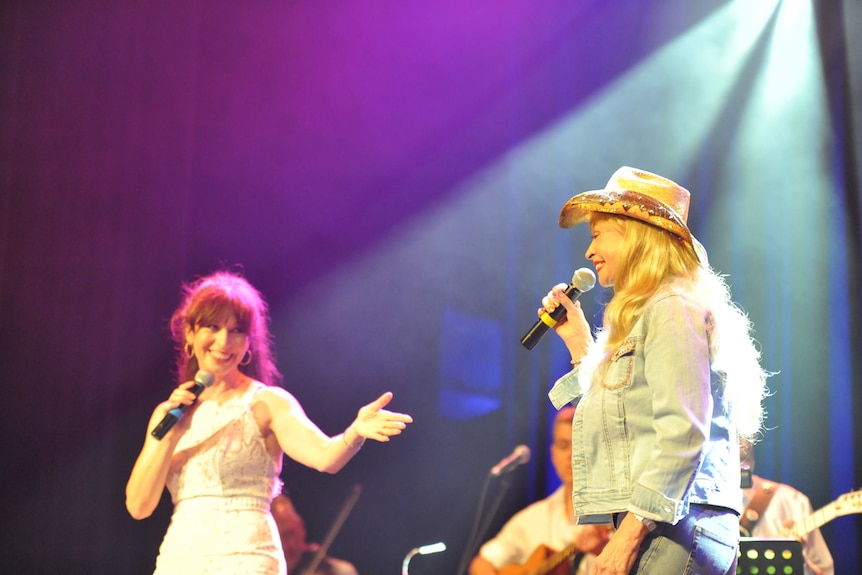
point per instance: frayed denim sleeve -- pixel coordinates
(566, 390)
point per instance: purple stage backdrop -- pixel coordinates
(389, 174)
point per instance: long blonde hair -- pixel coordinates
(652, 261)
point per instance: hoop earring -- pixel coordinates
(190, 350)
(245, 361)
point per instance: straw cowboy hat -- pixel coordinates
(641, 195)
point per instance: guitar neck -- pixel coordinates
(814, 521)
(844, 505)
(543, 561)
(556, 560)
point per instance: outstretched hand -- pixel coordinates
(374, 422)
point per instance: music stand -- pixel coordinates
(767, 556)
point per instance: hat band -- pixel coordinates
(652, 211)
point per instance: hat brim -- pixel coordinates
(629, 204)
(623, 203)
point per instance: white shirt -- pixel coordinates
(541, 523)
(790, 504)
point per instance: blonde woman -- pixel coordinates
(665, 390)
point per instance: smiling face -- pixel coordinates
(219, 344)
(605, 248)
(223, 301)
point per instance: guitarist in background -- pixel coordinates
(297, 551)
(771, 508)
(545, 528)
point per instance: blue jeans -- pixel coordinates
(704, 542)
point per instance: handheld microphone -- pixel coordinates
(203, 379)
(582, 281)
(519, 456)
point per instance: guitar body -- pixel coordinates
(538, 564)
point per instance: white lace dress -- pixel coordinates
(222, 480)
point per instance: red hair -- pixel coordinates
(213, 298)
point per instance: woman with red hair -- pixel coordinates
(222, 457)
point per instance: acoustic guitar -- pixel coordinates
(545, 561)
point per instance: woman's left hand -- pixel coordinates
(374, 422)
(621, 551)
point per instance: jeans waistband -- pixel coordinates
(617, 518)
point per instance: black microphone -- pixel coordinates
(519, 456)
(203, 379)
(582, 281)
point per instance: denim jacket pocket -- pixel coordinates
(621, 366)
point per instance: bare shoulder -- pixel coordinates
(277, 397)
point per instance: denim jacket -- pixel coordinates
(655, 435)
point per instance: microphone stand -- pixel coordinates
(424, 550)
(479, 532)
(346, 508)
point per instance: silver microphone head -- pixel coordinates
(204, 378)
(433, 548)
(523, 453)
(584, 279)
